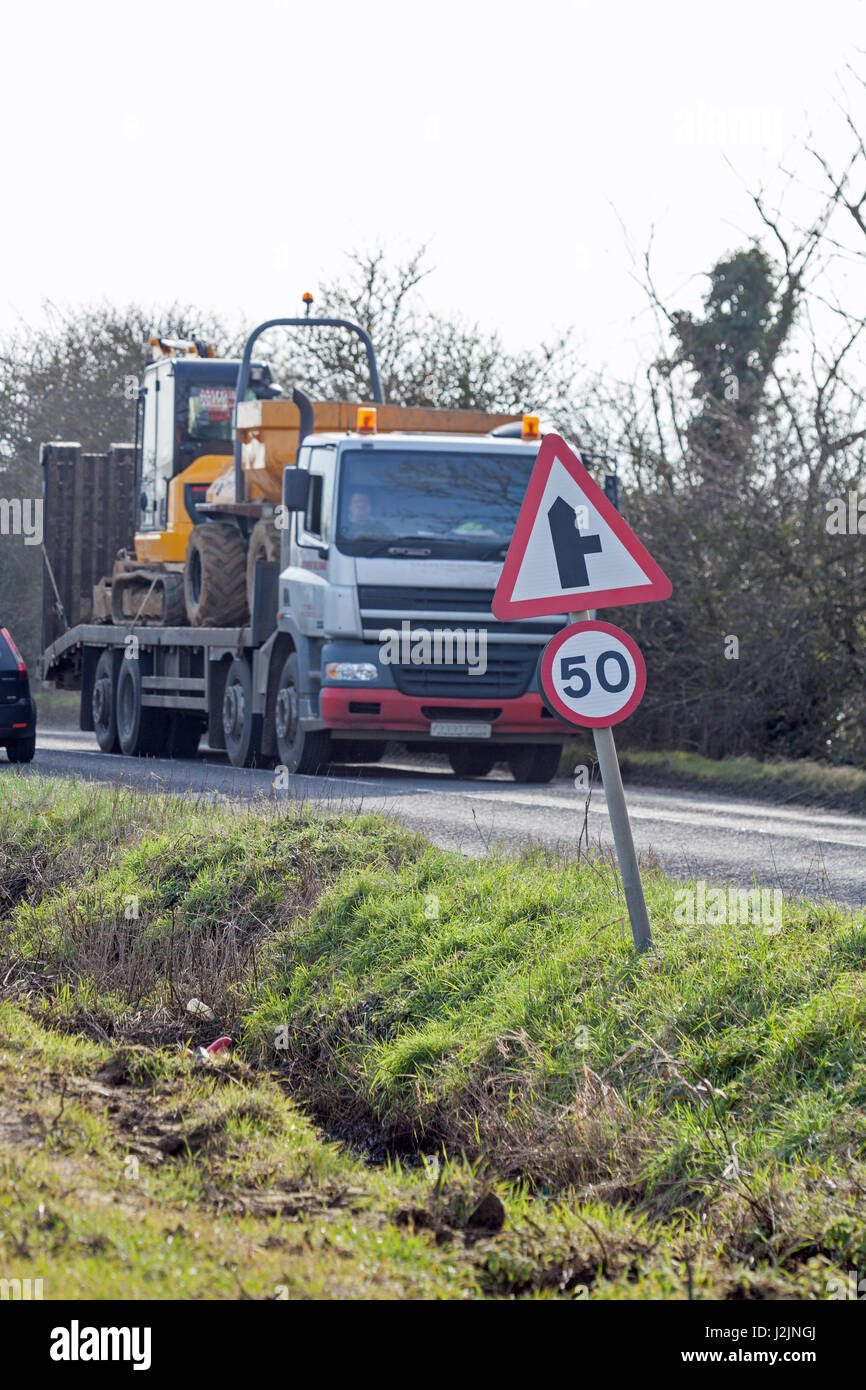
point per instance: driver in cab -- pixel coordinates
(359, 522)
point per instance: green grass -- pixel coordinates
(692, 1114)
(518, 1005)
(797, 781)
(56, 709)
(132, 1176)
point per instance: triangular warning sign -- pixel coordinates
(571, 548)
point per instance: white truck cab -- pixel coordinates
(388, 570)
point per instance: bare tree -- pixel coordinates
(424, 358)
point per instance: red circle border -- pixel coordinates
(564, 711)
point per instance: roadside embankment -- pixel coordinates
(570, 1118)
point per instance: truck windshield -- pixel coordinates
(430, 502)
(209, 412)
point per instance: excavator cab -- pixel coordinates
(183, 440)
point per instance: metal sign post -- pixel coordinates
(571, 547)
(611, 779)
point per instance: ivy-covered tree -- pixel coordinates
(732, 348)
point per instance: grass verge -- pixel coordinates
(56, 709)
(798, 781)
(687, 1122)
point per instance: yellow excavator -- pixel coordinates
(213, 436)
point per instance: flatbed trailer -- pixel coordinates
(182, 656)
(185, 667)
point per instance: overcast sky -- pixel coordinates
(231, 154)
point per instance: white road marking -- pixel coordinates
(767, 820)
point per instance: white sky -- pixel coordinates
(229, 154)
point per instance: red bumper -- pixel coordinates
(362, 709)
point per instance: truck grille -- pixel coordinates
(387, 605)
(509, 671)
(391, 598)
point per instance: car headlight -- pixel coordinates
(351, 671)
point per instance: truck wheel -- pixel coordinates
(471, 761)
(22, 750)
(214, 576)
(242, 728)
(184, 733)
(102, 704)
(141, 731)
(297, 750)
(264, 545)
(536, 763)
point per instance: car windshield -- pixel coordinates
(434, 502)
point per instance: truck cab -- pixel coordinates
(392, 545)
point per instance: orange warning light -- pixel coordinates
(366, 419)
(531, 427)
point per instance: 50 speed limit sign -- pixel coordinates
(592, 674)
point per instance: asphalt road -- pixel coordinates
(818, 853)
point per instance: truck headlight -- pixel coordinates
(351, 671)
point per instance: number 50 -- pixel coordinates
(572, 667)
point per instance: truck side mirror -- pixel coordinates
(296, 489)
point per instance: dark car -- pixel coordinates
(17, 710)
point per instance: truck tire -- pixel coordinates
(469, 761)
(22, 750)
(242, 728)
(102, 704)
(297, 750)
(214, 576)
(535, 763)
(141, 732)
(264, 545)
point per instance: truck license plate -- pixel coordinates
(440, 728)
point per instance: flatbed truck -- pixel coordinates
(370, 624)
